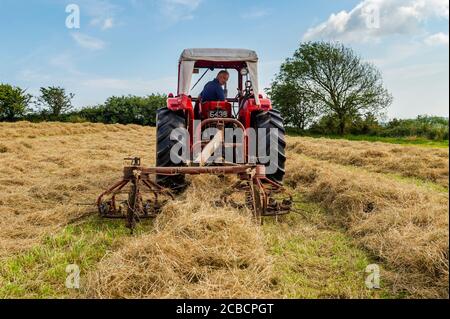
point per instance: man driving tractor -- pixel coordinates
(213, 90)
(262, 170)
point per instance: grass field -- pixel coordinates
(356, 203)
(412, 140)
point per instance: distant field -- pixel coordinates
(356, 203)
(418, 141)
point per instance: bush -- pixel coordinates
(429, 127)
(125, 110)
(74, 118)
(329, 125)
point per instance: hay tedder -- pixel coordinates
(145, 190)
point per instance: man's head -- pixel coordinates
(223, 77)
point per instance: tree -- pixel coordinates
(55, 100)
(13, 102)
(287, 97)
(336, 80)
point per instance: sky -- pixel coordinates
(123, 47)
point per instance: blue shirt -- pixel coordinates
(213, 91)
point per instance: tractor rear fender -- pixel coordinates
(250, 106)
(179, 103)
(183, 103)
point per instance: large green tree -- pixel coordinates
(334, 79)
(55, 100)
(288, 98)
(14, 102)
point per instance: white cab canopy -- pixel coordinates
(190, 56)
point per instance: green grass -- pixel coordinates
(418, 182)
(429, 185)
(418, 141)
(312, 259)
(41, 271)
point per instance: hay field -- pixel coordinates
(356, 203)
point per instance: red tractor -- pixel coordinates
(262, 130)
(246, 109)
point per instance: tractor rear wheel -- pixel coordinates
(166, 122)
(263, 122)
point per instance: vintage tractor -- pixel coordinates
(193, 136)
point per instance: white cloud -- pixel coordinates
(177, 10)
(104, 24)
(33, 75)
(108, 23)
(130, 86)
(64, 62)
(374, 19)
(88, 42)
(437, 39)
(92, 90)
(102, 13)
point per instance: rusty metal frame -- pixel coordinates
(259, 188)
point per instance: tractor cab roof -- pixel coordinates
(218, 58)
(219, 55)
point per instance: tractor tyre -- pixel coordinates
(166, 122)
(272, 144)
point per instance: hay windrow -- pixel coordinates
(426, 164)
(403, 225)
(196, 251)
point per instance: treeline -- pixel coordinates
(55, 104)
(429, 127)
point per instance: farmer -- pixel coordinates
(214, 91)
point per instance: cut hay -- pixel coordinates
(427, 164)
(49, 169)
(196, 251)
(403, 225)
(199, 250)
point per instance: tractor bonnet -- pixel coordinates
(190, 56)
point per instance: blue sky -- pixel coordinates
(132, 46)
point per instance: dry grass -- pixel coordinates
(403, 225)
(428, 164)
(196, 251)
(48, 169)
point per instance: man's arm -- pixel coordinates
(220, 93)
